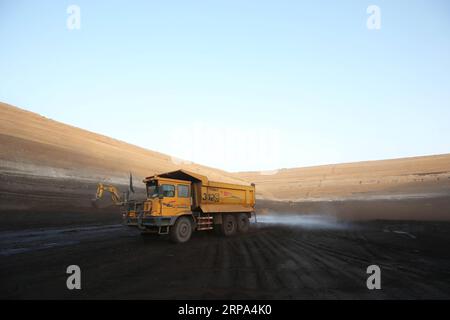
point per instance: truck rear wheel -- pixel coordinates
(229, 225)
(243, 223)
(181, 231)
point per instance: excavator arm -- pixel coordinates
(115, 196)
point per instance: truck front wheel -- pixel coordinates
(229, 225)
(181, 231)
(243, 223)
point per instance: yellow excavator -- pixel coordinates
(115, 194)
(129, 205)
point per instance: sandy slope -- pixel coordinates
(32, 144)
(387, 179)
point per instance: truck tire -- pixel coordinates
(181, 231)
(243, 223)
(229, 225)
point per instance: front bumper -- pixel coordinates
(144, 222)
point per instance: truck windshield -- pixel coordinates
(152, 189)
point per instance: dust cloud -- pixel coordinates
(309, 221)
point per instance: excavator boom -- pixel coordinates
(115, 197)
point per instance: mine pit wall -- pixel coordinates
(31, 201)
(33, 196)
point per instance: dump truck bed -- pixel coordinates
(224, 197)
(213, 196)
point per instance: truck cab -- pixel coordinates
(166, 200)
(167, 197)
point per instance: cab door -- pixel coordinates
(184, 197)
(169, 200)
(176, 198)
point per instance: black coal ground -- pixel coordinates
(275, 260)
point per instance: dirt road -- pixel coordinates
(276, 259)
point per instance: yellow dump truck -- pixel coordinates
(180, 202)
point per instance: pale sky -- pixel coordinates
(238, 85)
